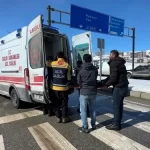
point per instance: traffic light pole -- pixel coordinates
(49, 8)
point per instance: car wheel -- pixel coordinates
(15, 99)
(129, 75)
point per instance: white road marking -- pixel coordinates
(137, 107)
(130, 104)
(2, 147)
(49, 138)
(138, 123)
(140, 104)
(20, 116)
(134, 121)
(125, 100)
(114, 139)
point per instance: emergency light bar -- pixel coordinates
(54, 28)
(2, 42)
(18, 35)
(19, 30)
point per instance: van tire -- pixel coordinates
(15, 99)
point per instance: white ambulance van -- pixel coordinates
(23, 56)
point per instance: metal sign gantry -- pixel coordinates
(50, 9)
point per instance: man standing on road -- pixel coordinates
(60, 79)
(87, 80)
(118, 79)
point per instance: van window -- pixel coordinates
(35, 52)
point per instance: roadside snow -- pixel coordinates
(137, 85)
(140, 85)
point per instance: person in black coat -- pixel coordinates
(118, 79)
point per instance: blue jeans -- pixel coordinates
(90, 101)
(118, 97)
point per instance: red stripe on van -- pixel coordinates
(40, 84)
(38, 79)
(20, 80)
(13, 79)
(20, 83)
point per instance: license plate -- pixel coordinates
(38, 97)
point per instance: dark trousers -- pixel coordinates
(61, 102)
(118, 97)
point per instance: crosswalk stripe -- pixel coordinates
(114, 139)
(20, 116)
(136, 107)
(136, 103)
(49, 139)
(2, 147)
(134, 121)
(138, 123)
(128, 104)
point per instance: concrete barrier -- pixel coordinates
(145, 96)
(135, 94)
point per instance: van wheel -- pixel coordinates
(15, 99)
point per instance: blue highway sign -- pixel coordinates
(86, 19)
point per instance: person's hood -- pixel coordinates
(119, 60)
(88, 66)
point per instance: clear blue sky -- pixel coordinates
(18, 13)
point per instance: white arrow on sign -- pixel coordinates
(80, 26)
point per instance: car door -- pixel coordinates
(144, 72)
(137, 71)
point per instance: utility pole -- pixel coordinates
(100, 45)
(133, 47)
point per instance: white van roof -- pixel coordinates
(11, 35)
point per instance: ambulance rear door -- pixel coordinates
(81, 44)
(36, 59)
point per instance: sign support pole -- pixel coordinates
(101, 63)
(100, 45)
(133, 47)
(49, 15)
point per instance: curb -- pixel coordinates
(131, 93)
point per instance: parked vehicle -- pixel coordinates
(23, 56)
(142, 71)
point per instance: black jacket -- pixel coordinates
(87, 79)
(118, 73)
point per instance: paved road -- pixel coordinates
(28, 129)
